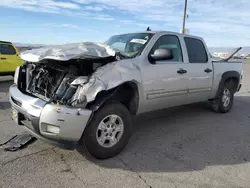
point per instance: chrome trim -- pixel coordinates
(156, 95)
(166, 94)
(198, 90)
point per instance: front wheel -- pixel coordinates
(224, 102)
(108, 132)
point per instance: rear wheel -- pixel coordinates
(224, 102)
(108, 132)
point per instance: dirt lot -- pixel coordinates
(185, 147)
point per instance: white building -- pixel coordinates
(221, 54)
(243, 55)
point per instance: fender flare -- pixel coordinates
(224, 77)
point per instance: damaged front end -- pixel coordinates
(59, 77)
(58, 88)
(57, 82)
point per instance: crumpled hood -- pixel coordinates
(68, 51)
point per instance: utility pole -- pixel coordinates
(184, 17)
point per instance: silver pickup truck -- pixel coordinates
(83, 95)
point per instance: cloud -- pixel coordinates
(65, 25)
(142, 9)
(89, 15)
(127, 21)
(227, 20)
(102, 17)
(92, 30)
(218, 19)
(49, 6)
(94, 8)
(137, 23)
(59, 7)
(69, 26)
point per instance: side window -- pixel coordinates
(169, 42)
(196, 50)
(7, 49)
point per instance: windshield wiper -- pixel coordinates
(122, 55)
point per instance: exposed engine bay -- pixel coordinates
(57, 81)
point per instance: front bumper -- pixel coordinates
(36, 116)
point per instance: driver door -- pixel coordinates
(165, 82)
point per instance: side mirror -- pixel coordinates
(162, 54)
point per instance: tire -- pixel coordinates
(93, 138)
(226, 93)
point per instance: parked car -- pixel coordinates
(85, 94)
(9, 58)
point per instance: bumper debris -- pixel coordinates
(18, 142)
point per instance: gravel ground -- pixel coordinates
(188, 146)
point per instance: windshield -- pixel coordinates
(129, 45)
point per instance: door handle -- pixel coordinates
(3, 58)
(181, 71)
(208, 70)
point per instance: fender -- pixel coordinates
(127, 94)
(101, 98)
(225, 76)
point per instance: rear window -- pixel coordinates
(196, 50)
(7, 49)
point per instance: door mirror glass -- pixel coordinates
(162, 54)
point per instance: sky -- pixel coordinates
(222, 23)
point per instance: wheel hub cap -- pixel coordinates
(110, 131)
(226, 97)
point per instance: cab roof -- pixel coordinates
(170, 32)
(167, 32)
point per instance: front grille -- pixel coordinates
(16, 102)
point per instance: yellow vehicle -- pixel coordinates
(9, 58)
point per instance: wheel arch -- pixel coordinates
(227, 77)
(127, 93)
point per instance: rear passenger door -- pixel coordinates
(200, 70)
